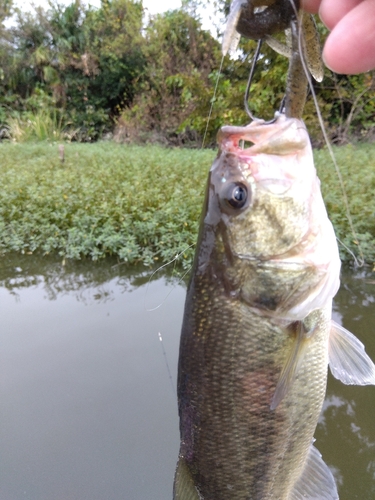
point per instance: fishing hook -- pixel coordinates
(247, 93)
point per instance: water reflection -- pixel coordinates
(86, 280)
(88, 411)
(346, 431)
(88, 408)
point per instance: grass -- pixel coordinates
(44, 125)
(142, 204)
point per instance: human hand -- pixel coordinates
(350, 47)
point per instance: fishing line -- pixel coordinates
(212, 102)
(349, 251)
(174, 260)
(166, 362)
(358, 261)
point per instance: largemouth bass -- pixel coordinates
(257, 334)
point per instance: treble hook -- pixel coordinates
(247, 93)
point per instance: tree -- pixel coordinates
(86, 60)
(180, 56)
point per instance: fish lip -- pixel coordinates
(282, 137)
(229, 138)
(275, 178)
(272, 153)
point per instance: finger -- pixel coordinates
(350, 48)
(332, 11)
(311, 6)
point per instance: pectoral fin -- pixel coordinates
(184, 487)
(348, 360)
(292, 364)
(316, 481)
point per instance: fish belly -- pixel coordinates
(233, 445)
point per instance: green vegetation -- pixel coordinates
(142, 204)
(357, 167)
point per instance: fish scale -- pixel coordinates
(235, 432)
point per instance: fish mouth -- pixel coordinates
(277, 154)
(282, 137)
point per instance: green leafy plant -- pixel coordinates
(143, 204)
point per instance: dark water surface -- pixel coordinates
(87, 407)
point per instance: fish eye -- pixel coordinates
(236, 195)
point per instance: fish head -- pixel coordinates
(269, 223)
(262, 192)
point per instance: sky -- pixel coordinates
(153, 6)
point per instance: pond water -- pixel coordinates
(88, 399)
